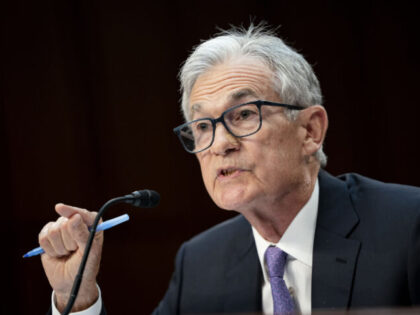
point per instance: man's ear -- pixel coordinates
(314, 121)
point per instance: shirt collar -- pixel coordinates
(298, 239)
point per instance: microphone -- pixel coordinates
(139, 198)
(143, 198)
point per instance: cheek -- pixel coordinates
(206, 172)
(276, 154)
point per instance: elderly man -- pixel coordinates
(303, 239)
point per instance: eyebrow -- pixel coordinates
(236, 96)
(195, 108)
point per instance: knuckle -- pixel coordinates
(63, 224)
(75, 221)
(54, 231)
(83, 210)
(44, 230)
(61, 220)
(42, 239)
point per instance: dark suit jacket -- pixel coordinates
(366, 254)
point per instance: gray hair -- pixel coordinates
(293, 77)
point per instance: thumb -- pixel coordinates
(69, 211)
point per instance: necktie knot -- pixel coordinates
(276, 260)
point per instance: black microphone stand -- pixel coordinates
(78, 278)
(140, 198)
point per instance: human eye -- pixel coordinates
(202, 126)
(245, 113)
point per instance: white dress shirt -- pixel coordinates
(297, 242)
(95, 309)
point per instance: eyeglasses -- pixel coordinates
(240, 121)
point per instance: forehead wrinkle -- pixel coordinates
(245, 78)
(237, 95)
(223, 82)
(210, 81)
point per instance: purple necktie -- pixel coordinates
(276, 260)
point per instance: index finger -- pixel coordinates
(68, 211)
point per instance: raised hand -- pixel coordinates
(64, 242)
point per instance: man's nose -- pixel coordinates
(224, 142)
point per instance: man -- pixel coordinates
(304, 239)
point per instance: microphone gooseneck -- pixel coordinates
(140, 198)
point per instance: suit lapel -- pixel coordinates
(242, 288)
(334, 255)
(334, 259)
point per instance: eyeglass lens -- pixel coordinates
(240, 121)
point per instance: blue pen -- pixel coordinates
(101, 227)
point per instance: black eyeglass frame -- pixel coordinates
(214, 121)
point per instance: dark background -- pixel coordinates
(89, 99)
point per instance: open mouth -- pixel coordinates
(226, 172)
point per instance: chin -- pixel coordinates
(232, 200)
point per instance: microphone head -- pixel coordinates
(143, 198)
